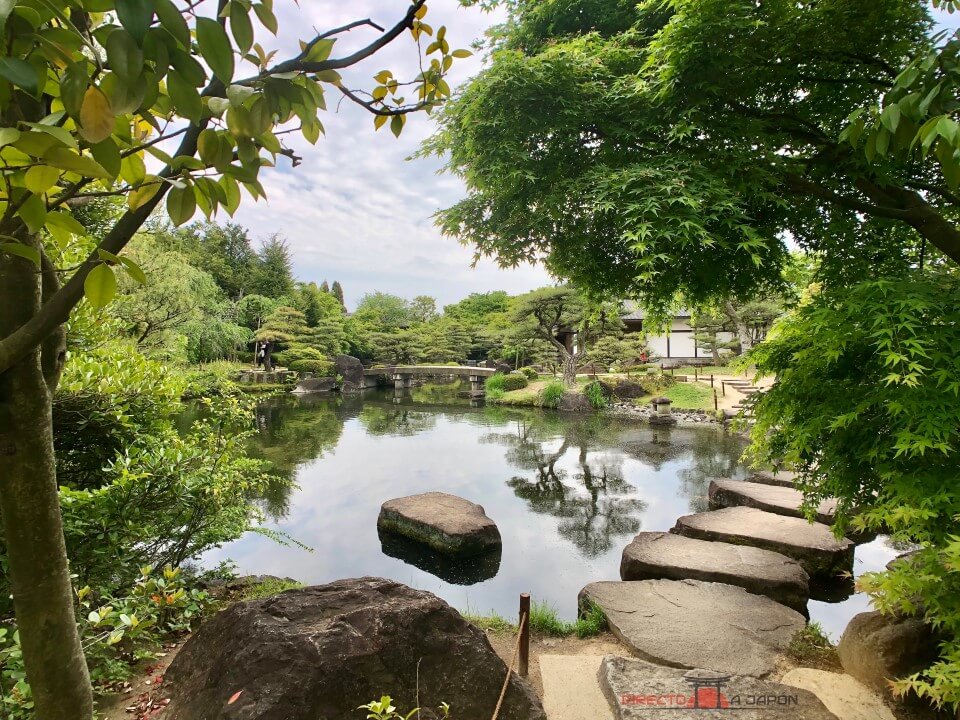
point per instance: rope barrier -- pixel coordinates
(506, 680)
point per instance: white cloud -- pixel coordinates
(356, 210)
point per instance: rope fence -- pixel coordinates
(521, 651)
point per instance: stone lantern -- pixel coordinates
(662, 415)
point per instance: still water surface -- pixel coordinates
(568, 492)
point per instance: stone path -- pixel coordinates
(570, 688)
(772, 498)
(783, 478)
(638, 690)
(691, 624)
(811, 544)
(660, 555)
(841, 694)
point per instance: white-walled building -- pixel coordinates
(676, 343)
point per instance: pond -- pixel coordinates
(568, 493)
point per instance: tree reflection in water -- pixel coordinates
(596, 506)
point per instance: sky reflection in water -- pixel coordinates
(567, 492)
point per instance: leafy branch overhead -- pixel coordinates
(154, 100)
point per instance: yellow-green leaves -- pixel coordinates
(20, 250)
(41, 178)
(241, 27)
(96, 116)
(181, 204)
(215, 48)
(100, 285)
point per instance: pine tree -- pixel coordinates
(337, 291)
(324, 287)
(285, 325)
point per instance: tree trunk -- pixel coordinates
(30, 511)
(744, 336)
(569, 368)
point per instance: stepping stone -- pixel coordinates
(780, 500)
(446, 523)
(570, 688)
(696, 624)
(638, 690)
(783, 478)
(841, 694)
(813, 545)
(666, 556)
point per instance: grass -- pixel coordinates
(268, 588)
(545, 621)
(690, 396)
(811, 646)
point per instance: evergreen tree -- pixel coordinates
(285, 325)
(337, 291)
(324, 287)
(273, 270)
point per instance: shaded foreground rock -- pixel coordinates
(841, 694)
(660, 555)
(875, 648)
(446, 523)
(695, 624)
(811, 544)
(319, 652)
(772, 498)
(638, 690)
(350, 370)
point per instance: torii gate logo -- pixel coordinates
(706, 693)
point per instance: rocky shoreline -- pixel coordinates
(684, 418)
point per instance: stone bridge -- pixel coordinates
(403, 375)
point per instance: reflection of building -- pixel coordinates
(676, 343)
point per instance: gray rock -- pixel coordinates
(315, 385)
(660, 555)
(638, 690)
(783, 478)
(575, 401)
(351, 370)
(772, 498)
(446, 523)
(695, 624)
(813, 545)
(875, 648)
(322, 651)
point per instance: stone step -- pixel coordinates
(811, 544)
(726, 493)
(571, 690)
(696, 624)
(666, 556)
(783, 478)
(638, 690)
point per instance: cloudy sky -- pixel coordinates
(357, 210)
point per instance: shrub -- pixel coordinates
(515, 381)
(552, 394)
(495, 383)
(530, 373)
(655, 384)
(597, 395)
(320, 368)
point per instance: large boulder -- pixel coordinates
(351, 370)
(695, 624)
(446, 523)
(660, 555)
(876, 648)
(629, 389)
(575, 401)
(638, 690)
(320, 652)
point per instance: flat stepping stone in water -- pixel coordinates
(696, 624)
(780, 500)
(783, 478)
(447, 523)
(661, 555)
(813, 545)
(638, 690)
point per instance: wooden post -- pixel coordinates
(723, 386)
(524, 663)
(715, 406)
(695, 378)
(711, 379)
